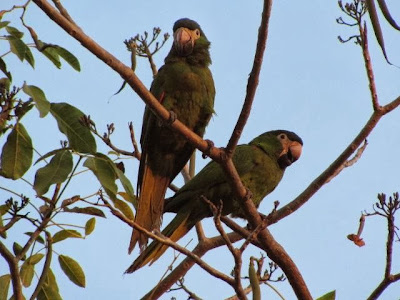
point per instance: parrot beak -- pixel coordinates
(290, 154)
(184, 39)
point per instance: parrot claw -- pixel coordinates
(249, 195)
(210, 145)
(172, 118)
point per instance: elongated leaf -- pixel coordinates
(34, 259)
(39, 238)
(79, 136)
(51, 153)
(124, 208)
(56, 171)
(3, 68)
(16, 156)
(51, 280)
(4, 286)
(65, 234)
(73, 270)
(127, 186)
(17, 47)
(17, 249)
(254, 282)
(38, 96)
(387, 15)
(93, 211)
(103, 169)
(53, 56)
(4, 233)
(329, 296)
(27, 272)
(377, 27)
(90, 225)
(68, 57)
(29, 57)
(48, 292)
(14, 32)
(4, 24)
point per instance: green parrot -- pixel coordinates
(260, 165)
(184, 85)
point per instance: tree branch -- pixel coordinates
(14, 271)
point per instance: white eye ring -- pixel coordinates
(197, 32)
(282, 136)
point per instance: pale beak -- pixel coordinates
(183, 41)
(290, 154)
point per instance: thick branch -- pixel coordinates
(14, 271)
(128, 75)
(253, 78)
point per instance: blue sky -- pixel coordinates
(310, 83)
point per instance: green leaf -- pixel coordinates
(4, 24)
(72, 269)
(16, 156)
(4, 233)
(254, 282)
(17, 46)
(124, 208)
(38, 96)
(27, 272)
(53, 56)
(3, 68)
(68, 57)
(14, 32)
(51, 153)
(34, 259)
(90, 225)
(56, 171)
(29, 57)
(17, 248)
(103, 169)
(65, 234)
(51, 280)
(329, 296)
(79, 136)
(48, 292)
(39, 239)
(4, 286)
(127, 186)
(93, 211)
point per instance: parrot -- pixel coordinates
(260, 165)
(183, 85)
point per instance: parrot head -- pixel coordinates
(289, 149)
(187, 34)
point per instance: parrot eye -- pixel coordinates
(282, 136)
(197, 32)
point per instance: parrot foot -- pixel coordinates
(172, 118)
(210, 145)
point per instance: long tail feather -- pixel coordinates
(178, 227)
(150, 206)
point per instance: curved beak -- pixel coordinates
(184, 41)
(290, 153)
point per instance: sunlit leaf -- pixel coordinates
(16, 156)
(38, 96)
(329, 296)
(4, 286)
(127, 186)
(65, 234)
(90, 225)
(124, 208)
(51, 280)
(48, 292)
(27, 272)
(93, 211)
(73, 270)
(53, 56)
(4, 233)
(35, 258)
(56, 171)
(79, 136)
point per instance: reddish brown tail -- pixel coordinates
(150, 206)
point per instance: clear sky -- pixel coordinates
(310, 83)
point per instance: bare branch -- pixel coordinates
(14, 271)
